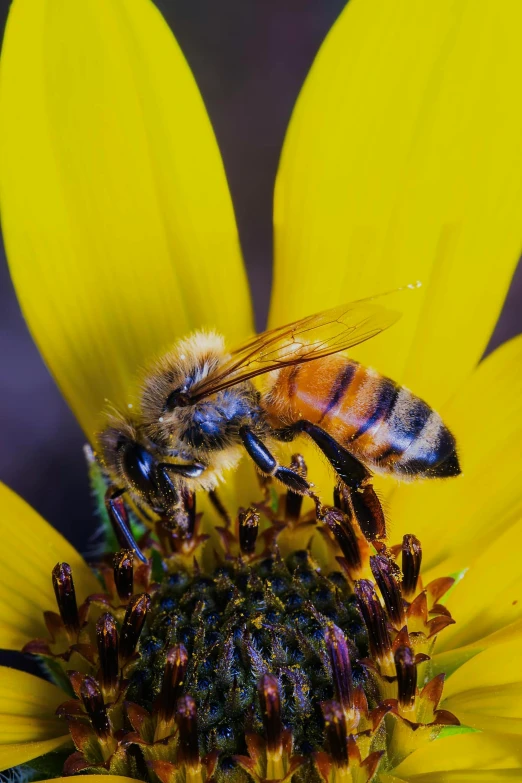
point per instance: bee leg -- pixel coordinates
(120, 521)
(267, 463)
(354, 475)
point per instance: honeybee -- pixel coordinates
(200, 411)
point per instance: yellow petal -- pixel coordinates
(30, 551)
(454, 657)
(28, 724)
(486, 692)
(95, 778)
(460, 776)
(489, 595)
(21, 752)
(478, 751)
(458, 518)
(116, 214)
(403, 162)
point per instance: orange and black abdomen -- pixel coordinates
(379, 422)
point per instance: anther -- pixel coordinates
(133, 621)
(341, 667)
(124, 573)
(293, 501)
(406, 676)
(386, 575)
(95, 708)
(339, 523)
(107, 640)
(187, 722)
(248, 529)
(66, 597)
(270, 700)
(374, 619)
(173, 678)
(335, 730)
(411, 564)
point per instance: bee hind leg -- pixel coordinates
(360, 497)
(120, 521)
(267, 463)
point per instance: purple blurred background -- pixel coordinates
(250, 60)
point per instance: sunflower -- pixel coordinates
(273, 642)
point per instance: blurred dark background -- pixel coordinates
(249, 60)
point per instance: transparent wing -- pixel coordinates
(310, 338)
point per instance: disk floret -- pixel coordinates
(265, 666)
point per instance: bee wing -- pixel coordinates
(310, 338)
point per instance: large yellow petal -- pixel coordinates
(476, 752)
(402, 162)
(488, 597)
(30, 550)
(486, 692)
(95, 779)
(21, 752)
(117, 219)
(460, 776)
(459, 518)
(28, 724)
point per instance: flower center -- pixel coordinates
(263, 667)
(241, 622)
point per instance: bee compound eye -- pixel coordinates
(177, 399)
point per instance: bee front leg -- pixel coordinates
(355, 477)
(267, 463)
(120, 521)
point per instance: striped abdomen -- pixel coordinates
(381, 423)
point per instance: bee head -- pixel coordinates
(166, 403)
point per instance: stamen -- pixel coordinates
(411, 564)
(186, 720)
(385, 574)
(95, 708)
(107, 638)
(248, 529)
(270, 700)
(124, 573)
(406, 676)
(293, 501)
(340, 525)
(173, 677)
(66, 597)
(132, 624)
(374, 619)
(341, 667)
(335, 730)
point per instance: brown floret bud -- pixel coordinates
(66, 597)
(341, 667)
(132, 625)
(124, 573)
(386, 574)
(270, 700)
(374, 619)
(411, 564)
(248, 529)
